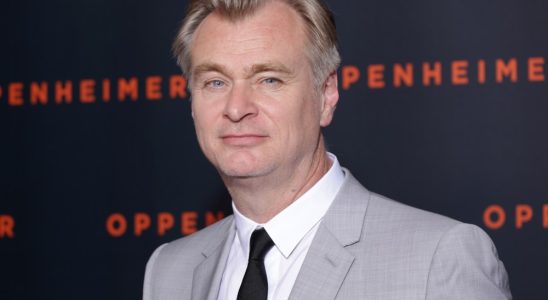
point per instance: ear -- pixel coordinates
(330, 97)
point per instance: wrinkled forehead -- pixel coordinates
(272, 29)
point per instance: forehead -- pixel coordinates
(274, 31)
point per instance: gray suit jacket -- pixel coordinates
(367, 247)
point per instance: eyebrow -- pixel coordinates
(209, 67)
(254, 69)
(269, 67)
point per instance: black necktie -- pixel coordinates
(254, 285)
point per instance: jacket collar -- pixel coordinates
(208, 274)
(328, 261)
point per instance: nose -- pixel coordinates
(240, 104)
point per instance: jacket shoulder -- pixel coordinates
(386, 211)
(409, 253)
(170, 268)
(200, 239)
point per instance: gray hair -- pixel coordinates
(319, 22)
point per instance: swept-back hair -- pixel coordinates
(321, 49)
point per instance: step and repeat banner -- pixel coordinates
(444, 106)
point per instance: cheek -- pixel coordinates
(203, 124)
(308, 114)
(200, 136)
(298, 123)
(206, 140)
(203, 114)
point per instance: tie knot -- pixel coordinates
(260, 244)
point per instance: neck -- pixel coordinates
(262, 198)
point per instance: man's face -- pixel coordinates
(255, 107)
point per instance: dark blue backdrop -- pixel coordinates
(72, 175)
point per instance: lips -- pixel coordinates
(242, 140)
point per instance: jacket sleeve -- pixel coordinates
(465, 265)
(148, 290)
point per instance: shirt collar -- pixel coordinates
(289, 227)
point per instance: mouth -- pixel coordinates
(243, 140)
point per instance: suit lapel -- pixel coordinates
(325, 266)
(328, 260)
(208, 274)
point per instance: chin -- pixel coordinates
(236, 170)
(243, 164)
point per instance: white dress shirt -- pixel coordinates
(292, 231)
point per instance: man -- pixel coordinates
(263, 80)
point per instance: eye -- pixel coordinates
(272, 81)
(216, 83)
